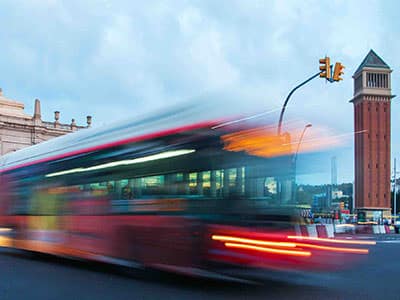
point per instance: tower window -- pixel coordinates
(358, 83)
(377, 80)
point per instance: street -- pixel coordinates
(28, 276)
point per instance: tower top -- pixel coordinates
(372, 60)
(372, 78)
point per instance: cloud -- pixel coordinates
(131, 55)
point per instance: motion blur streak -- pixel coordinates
(5, 241)
(285, 244)
(269, 250)
(159, 192)
(251, 241)
(246, 119)
(332, 241)
(166, 154)
(334, 249)
(263, 141)
(344, 225)
(367, 223)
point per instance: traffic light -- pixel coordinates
(325, 67)
(341, 205)
(338, 72)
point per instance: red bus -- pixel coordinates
(203, 198)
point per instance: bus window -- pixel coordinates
(154, 185)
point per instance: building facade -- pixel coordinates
(19, 130)
(372, 99)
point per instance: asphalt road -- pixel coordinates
(26, 276)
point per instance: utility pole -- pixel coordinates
(354, 198)
(394, 189)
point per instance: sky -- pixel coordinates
(117, 59)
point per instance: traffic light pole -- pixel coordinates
(287, 100)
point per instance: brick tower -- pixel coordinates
(372, 97)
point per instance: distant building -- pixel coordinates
(333, 172)
(19, 130)
(320, 202)
(337, 194)
(372, 99)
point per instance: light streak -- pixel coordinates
(251, 241)
(5, 241)
(245, 119)
(334, 249)
(344, 225)
(158, 156)
(329, 137)
(269, 250)
(309, 238)
(367, 223)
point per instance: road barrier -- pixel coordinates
(312, 230)
(315, 230)
(364, 229)
(330, 230)
(321, 230)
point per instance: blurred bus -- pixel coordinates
(197, 198)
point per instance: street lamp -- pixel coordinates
(295, 159)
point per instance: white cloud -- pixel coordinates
(190, 21)
(126, 55)
(121, 46)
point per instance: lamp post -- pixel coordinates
(295, 159)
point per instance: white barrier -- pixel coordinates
(312, 230)
(297, 230)
(340, 229)
(330, 230)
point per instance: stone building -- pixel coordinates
(371, 100)
(19, 130)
